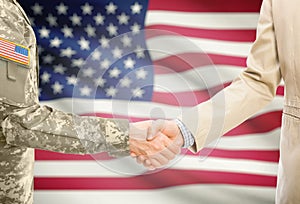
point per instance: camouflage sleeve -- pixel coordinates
(50, 129)
(27, 124)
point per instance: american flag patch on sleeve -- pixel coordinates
(14, 52)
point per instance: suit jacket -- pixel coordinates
(274, 55)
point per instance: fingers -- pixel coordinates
(159, 159)
(156, 127)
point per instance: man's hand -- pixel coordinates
(155, 143)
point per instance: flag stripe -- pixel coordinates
(164, 179)
(259, 155)
(195, 97)
(229, 35)
(192, 194)
(206, 6)
(136, 110)
(187, 61)
(164, 46)
(222, 21)
(111, 169)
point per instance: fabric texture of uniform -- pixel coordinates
(26, 125)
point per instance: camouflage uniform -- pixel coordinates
(26, 125)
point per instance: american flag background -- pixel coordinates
(242, 167)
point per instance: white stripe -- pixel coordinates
(134, 109)
(128, 167)
(262, 141)
(163, 46)
(203, 20)
(191, 194)
(202, 78)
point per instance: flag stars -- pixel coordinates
(139, 52)
(85, 91)
(137, 92)
(56, 42)
(68, 52)
(105, 64)
(136, 8)
(127, 41)
(78, 62)
(141, 73)
(129, 63)
(87, 9)
(72, 80)
(84, 44)
(135, 28)
(62, 9)
(96, 55)
(52, 20)
(48, 59)
(76, 20)
(111, 91)
(45, 77)
(117, 53)
(37, 9)
(123, 19)
(89, 72)
(125, 82)
(59, 69)
(57, 88)
(112, 29)
(44, 32)
(114, 73)
(68, 32)
(104, 42)
(100, 82)
(90, 30)
(99, 19)
(111, 8)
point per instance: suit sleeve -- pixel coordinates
(250, 92)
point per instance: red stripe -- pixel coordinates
(164, 179)
(227, 35)
(259, 155)
(43, 155)
(187, 61)
(185, 99)
(206, 5)
(259, 124)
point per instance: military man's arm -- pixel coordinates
(46, 128)
(24, 122)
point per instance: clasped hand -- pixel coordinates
(155, 143)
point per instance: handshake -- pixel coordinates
(155, 143)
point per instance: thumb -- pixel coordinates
(156, 127)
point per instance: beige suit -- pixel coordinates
(274, 55)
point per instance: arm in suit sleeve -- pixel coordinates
(250, 92)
